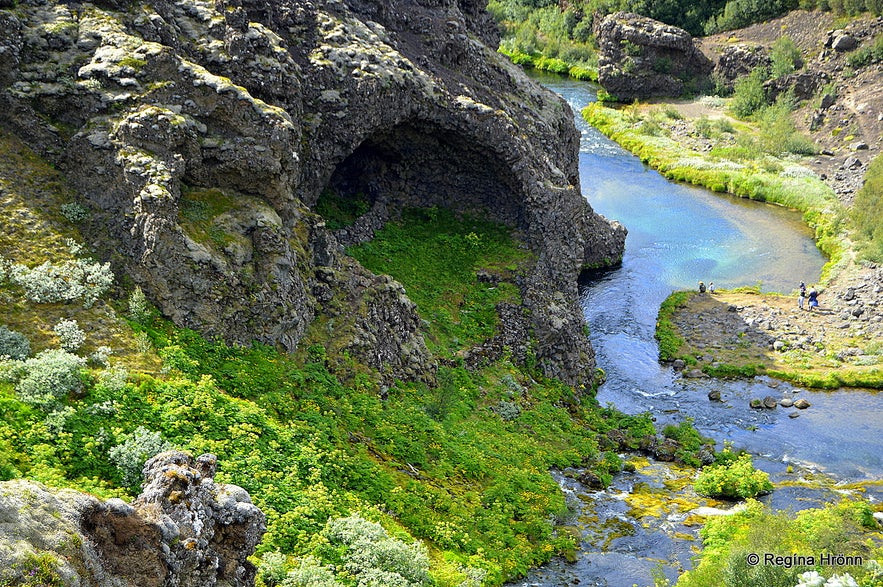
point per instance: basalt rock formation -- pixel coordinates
(183, 531)
(202, 133)
(639, 58)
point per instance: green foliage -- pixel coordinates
(867, 54)
(69, 280)
(140, 309)
(777, 131)
(70, 335)
(785, 57)
(867, 213)
(130, 455)
(341, 211)
(741, 13)
(40, 570)
(733, 479)
(728, 540)
(749, 95)
(670, 342)
(689, 439)
(433, 255)
(74, 212)
(49, 378)
(365, 551)
(13, 345)
(712, 129)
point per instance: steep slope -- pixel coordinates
(200, 135)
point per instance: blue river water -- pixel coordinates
(679, 235)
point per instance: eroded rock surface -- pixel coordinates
(202, 134)
(640, 58)
(182, 531)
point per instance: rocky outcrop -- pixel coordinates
(640, 58)
(182, 531)
(202, 134)
(738, 60)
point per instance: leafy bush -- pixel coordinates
(74, 212)
(77, 279)
(741, 13)
(376, 559)
(785, 57)
(867, 213)
(748, 93)
(50, 377)
(727, 540)
(867, 54)
(130, 455)
(140, 308)
(14, 345)
(70, 335)
(311, 573)
(733, 479)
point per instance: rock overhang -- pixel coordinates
(278, 101)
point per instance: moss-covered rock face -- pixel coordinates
(143, 105)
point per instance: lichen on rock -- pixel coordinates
(139, 103)
(183, 530)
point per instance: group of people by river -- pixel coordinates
(810, 299)
(806, 299)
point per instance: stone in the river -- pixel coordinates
(801, 404)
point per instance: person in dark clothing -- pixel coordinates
(812, 299)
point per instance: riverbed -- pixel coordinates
(679, 235)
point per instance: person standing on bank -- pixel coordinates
(701, 287)
(801, 295)
(812, 298)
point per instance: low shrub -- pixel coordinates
(130, 455)
(376, 559)
(70, 335)
(733, 479)
(77, 279)
(14, 345)
(49, 378)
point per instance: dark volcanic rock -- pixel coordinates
(737, 61)
(642, 58)
(204, 134)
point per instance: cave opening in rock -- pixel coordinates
(419, 165)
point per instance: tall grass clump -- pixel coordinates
(867, 213)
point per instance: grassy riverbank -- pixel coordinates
(743, 332)
(732, 167)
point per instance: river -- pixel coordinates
(679, 235)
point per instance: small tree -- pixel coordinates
(785, 57)
(748, 93)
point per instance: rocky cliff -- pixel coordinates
(201, 133)
(640, 58)
(183, 530)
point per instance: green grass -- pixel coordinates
(436, 256)
(670, 342)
